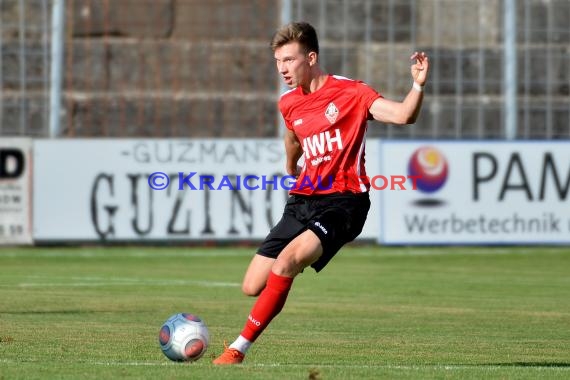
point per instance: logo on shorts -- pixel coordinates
(331, 113)
(321, 227)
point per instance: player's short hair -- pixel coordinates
(301, 32)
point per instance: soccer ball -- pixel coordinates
(184, 337)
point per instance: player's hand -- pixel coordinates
(296, 171)
(420, 68)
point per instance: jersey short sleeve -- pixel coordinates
(287, 122)
(367, 95)
(286, 103)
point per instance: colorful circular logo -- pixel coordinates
(164, 336)
(191, 317)
(430, 165)
(194, 348)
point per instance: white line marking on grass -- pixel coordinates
(308, 366)
(133, 282)
(237, 251)
(382, 251)
(133, 364)
(448, 367)
(414, 367)
(112, 253)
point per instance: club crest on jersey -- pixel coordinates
(331, 113)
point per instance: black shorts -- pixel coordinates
(336, 219)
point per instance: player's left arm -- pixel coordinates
(406, 111)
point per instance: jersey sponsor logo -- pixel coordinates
(297, 122)
(331, 113)
(322, 143)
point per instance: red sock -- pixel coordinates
(268, 305)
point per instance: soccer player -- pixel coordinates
(326, 118)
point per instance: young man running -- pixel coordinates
(326, 118)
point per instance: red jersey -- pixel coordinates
(330, 124)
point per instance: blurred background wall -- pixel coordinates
(203, 68)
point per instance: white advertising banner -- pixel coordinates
(15, 191)
(163, 190)
(475, 192)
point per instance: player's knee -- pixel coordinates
(251, 290)
(290, 267)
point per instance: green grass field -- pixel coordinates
(373, 313)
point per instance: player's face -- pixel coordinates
(293, 64)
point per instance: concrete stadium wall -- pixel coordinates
(208, 64)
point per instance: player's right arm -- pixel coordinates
(406, 111)
(294, 151)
